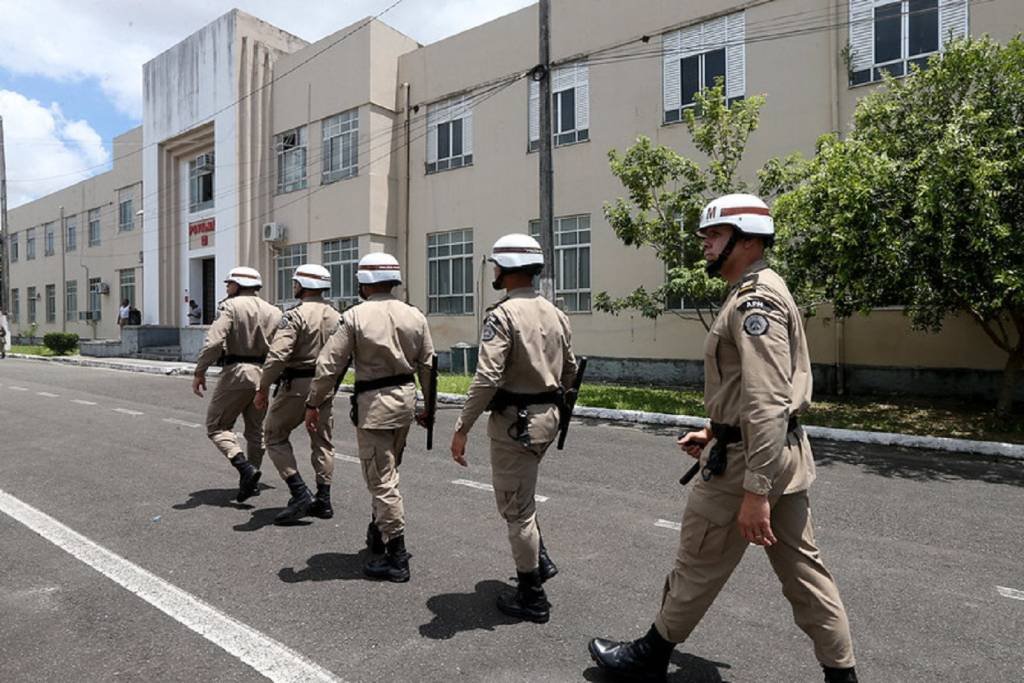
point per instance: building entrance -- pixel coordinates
(209, 290)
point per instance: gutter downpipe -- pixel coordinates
(407, 124)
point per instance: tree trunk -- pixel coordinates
(1014, 363)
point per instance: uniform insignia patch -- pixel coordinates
(755, 324)
(285, 322)
(488, 333)
(755, 304)
(749, 284)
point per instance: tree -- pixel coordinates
(921, 204)
(666, 194)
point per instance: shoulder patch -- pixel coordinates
(489, 329)
(285, 322)
(756, 304)
(748, 284)
(755, 324)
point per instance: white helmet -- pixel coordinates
(243, 276)
(312, 276)
(378, 267)
(745, 212)
(516, 251)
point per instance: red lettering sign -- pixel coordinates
(201, 227)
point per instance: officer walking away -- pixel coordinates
(525, 363)
(389, 342)
(755, 459)
(291, 365)
(239, 338)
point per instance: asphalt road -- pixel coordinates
(927, 549)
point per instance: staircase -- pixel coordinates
(166, 353)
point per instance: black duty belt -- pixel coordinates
(724, 435)
(503, 399)
(231, 359)
(369, 385)
(295, 373)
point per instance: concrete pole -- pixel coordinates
(547, 174)
(5, 264)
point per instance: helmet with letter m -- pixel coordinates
(746, 214)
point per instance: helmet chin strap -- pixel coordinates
(715, 266)
(496, 283)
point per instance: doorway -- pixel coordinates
(209, 290)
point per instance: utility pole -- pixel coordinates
(5, 265)
(547, 172)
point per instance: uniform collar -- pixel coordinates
(521, 293)
(755, 267)
(381, 296)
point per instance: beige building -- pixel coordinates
(367, 141)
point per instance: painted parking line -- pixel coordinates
(665, 524)
(1011, 593)
(82, 402)
(47, 394)
(14, 388)
(487, 487)
(125, 411)
(182, 423)
(270, 658)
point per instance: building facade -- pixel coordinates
(258, 148)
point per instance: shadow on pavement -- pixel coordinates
(265, 517)
(328, 567)
(919, 465)
(221, 498)
(690, 669)
(457, 612)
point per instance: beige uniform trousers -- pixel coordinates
(380, 451)
(288, 411)
(709, 553)
(232, 397)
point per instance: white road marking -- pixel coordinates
(83, 403)
(47, 394)
(175, 421)
(665, 524)
(14, 388)
(488, 487)
(1010, 593)
(127, 412)
(264, 654)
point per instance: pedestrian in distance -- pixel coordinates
(123, 314)
(755, 460)
(525, 364)
(239, 339)
(195, 313)
(388, 341)
(290, 366)
(5, 335)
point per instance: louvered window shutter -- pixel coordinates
(671, 84)
(432, 121)
(582, 97)
(862, 35)
(952, 20)
(533, 112)
(736, 56)
(467, 127)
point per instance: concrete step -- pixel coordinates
(169, 353)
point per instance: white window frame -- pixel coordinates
(71, 233)
(449, 115)
(699, 40)
(575, 297)
(291, 147)
(94, 228)
(574, 78)
(96, 298)
(340, 135)
(15, 305)
(31, 308)
(341, 258)
(50, 301)
(71, 300)
(49, 239)
(12, 244)
(449, 255)
(125, 215)
(126, 286)
(30, 244)
(200, 169)
(285, 263)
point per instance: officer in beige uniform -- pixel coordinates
(291, 364)
(239, 339)
(525, 363)
(755, 460)
(389, 342)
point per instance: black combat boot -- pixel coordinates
(298, 504)
(321, 506)
(393, 566)
(528, 601)
(374, 541)
(545, 566)
(834, 675)
(248, 478)
(644, 659)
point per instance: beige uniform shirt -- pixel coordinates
(244, 327)
(302, 333)
(525, 348)
(383, 336)
(757, 373)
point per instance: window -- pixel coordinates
(30, 244)
(15, 305)
(51, 303)
(891, 36)
(449, 135)
(71, 234)
(570, 106)
(95, 302)
(12, 242)
(286, 261)
(341, 258)
(450, 272)
(94, 227)
(71, 300)
(48, 239)
(696, 57)
(340, 146)
(200, 182)
(125, 215)
(31, 305)
(572, 260)
(291, 159)
(127, 278)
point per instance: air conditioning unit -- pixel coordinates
(273, 232)
(204, 161)
(104, 288)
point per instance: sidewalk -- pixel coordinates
(937, 443)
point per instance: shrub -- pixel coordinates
(60, 342)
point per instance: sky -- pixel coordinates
(71, 70)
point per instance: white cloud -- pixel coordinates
(74, 41)
(45, 151)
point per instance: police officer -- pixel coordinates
(291, 364)
(388, 341)
(756, 460)
(525, 363)
(239, 339)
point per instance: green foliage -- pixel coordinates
(60, 342)
(921, 205)
(666, 192)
